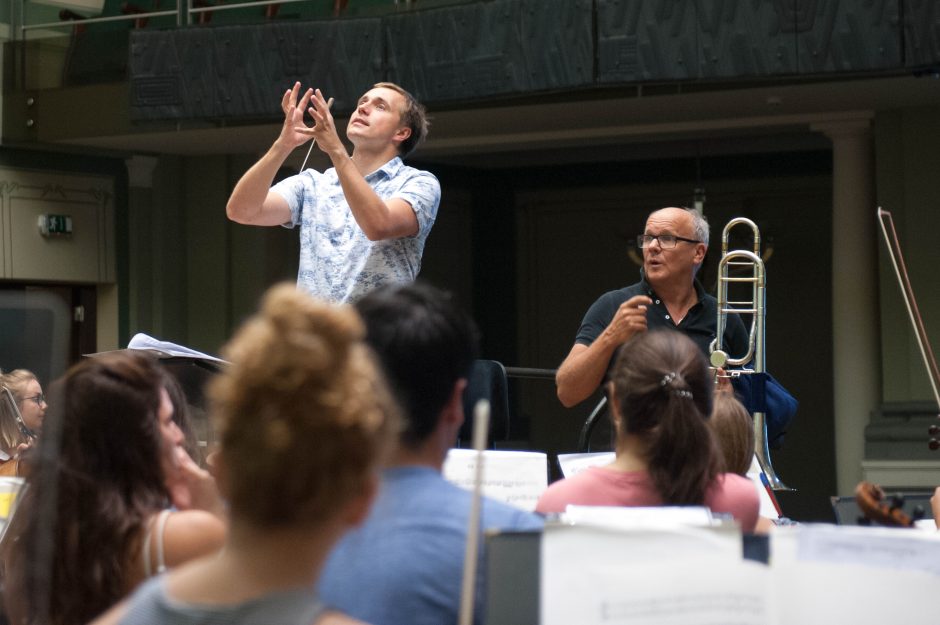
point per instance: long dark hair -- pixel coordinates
(664, 395)
(96, 482)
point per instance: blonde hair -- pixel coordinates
(303, 413)
(733, 428)
(11, 433)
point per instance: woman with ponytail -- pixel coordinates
(661, 395)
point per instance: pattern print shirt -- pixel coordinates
(338, 262)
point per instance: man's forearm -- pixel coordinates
(582, 372)
(247, 200)
(372, 213)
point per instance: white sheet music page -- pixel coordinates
(513, 477)
(826, 574)
(166, 349)
(674, 576)
(641, 517)
(572, 464)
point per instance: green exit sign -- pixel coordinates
(55, 225)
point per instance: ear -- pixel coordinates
(401, 134)
(453, 409)
(357, 509)
(700, 251)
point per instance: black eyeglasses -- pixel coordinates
(666, 241)
(39, 399)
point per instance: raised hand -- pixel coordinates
(293, 131)
(324, 127)
(629, 319)
(191, 487)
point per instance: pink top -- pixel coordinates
(603, 486)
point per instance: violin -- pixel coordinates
(879, 508)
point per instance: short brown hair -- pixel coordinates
(414, 115)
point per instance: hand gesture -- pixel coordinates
(292, 134)
(324, 128)
(629, 320)
(191, 487)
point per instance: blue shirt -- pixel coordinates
(404, 565)
(149, 605)
(338, 262)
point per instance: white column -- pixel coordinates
(855, 341)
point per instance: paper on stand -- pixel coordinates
(667, 576)
(514, 477)
(826, 574)
(572, 464)
(640, 517)
(165, 349)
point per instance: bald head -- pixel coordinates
(676, 261)
(686, 217)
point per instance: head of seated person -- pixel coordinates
(733, 428)
(103, 466)
(22, 411)
(661, 394)
(303, 416)
(304, 420)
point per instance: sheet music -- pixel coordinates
(166, 349)
(677, 576)
(572, 464)
(513, 477)
(890, 548)
(864, 576)
(640, 517)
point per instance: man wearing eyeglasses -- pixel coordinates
(674, 243)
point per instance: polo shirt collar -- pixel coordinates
(699, 289)
(389, 169)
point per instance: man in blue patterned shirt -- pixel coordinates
(364, 221)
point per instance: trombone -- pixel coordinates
(750, 267)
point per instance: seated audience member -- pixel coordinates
(661, 396)
(91, 524)
(22, 410)
(304, 419)
(405, 564)
(733, 428)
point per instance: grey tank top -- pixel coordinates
(150, 606)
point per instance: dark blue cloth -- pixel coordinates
(760, 392)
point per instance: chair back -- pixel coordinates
(487, 380)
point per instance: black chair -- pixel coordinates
(487, 380)
(584, 440)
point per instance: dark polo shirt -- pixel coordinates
(699, 324)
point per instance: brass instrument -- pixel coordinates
(750, 267)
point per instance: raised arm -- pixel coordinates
(379, 219)
(583, 369)
(252, 201)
